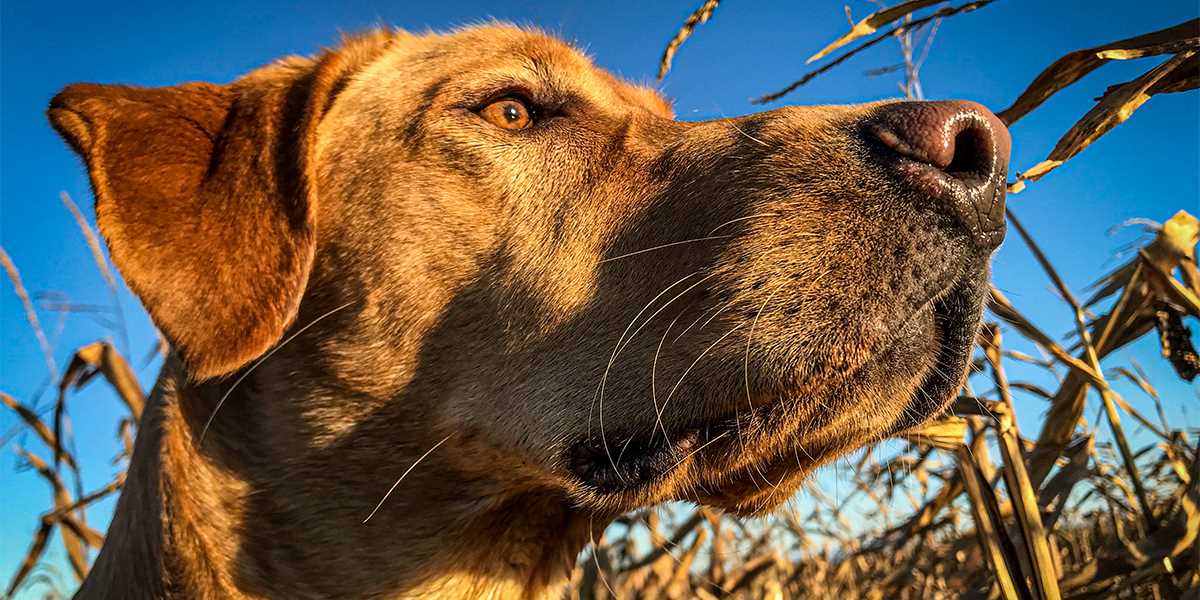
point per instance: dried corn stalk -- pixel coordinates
(872, 23)
(699, 17)
(1114, 107)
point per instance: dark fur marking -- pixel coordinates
(414, 133)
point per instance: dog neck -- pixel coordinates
(219, 517)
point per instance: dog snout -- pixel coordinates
(956, 154)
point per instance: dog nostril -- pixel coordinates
(973, 157)
(954, 154)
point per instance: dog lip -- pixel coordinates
(955, 317)
(640, 460)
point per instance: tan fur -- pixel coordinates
(461, 288)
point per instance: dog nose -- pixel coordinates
(956, 154)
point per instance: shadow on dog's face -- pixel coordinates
(597, 298)
(532, 262)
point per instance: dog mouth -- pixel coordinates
(639, 461)
(635, 462)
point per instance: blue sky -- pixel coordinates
(1146, 168)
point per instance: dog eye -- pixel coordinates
(508, 113)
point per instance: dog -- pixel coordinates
(443, 306)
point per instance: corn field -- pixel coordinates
(968, 506)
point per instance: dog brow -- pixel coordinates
(415, 131)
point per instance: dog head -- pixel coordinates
(502, 248)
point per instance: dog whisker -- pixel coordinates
(617, 350)
(403, 475)
(748, 136)
(596, 559)
(654, 367)
(753, 468)
(658, 417)
(668, 245)
(702, 446)
(624, 447)
(716, 314)
(750, 341)
(747, 217)
(257, 363)
(662, 308)
(689, 327)
(774, 490)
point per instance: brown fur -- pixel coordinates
(461, 287)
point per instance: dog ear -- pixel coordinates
(204, 196)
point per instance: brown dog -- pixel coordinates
(479, 264)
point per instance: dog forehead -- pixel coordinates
(525, 51)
